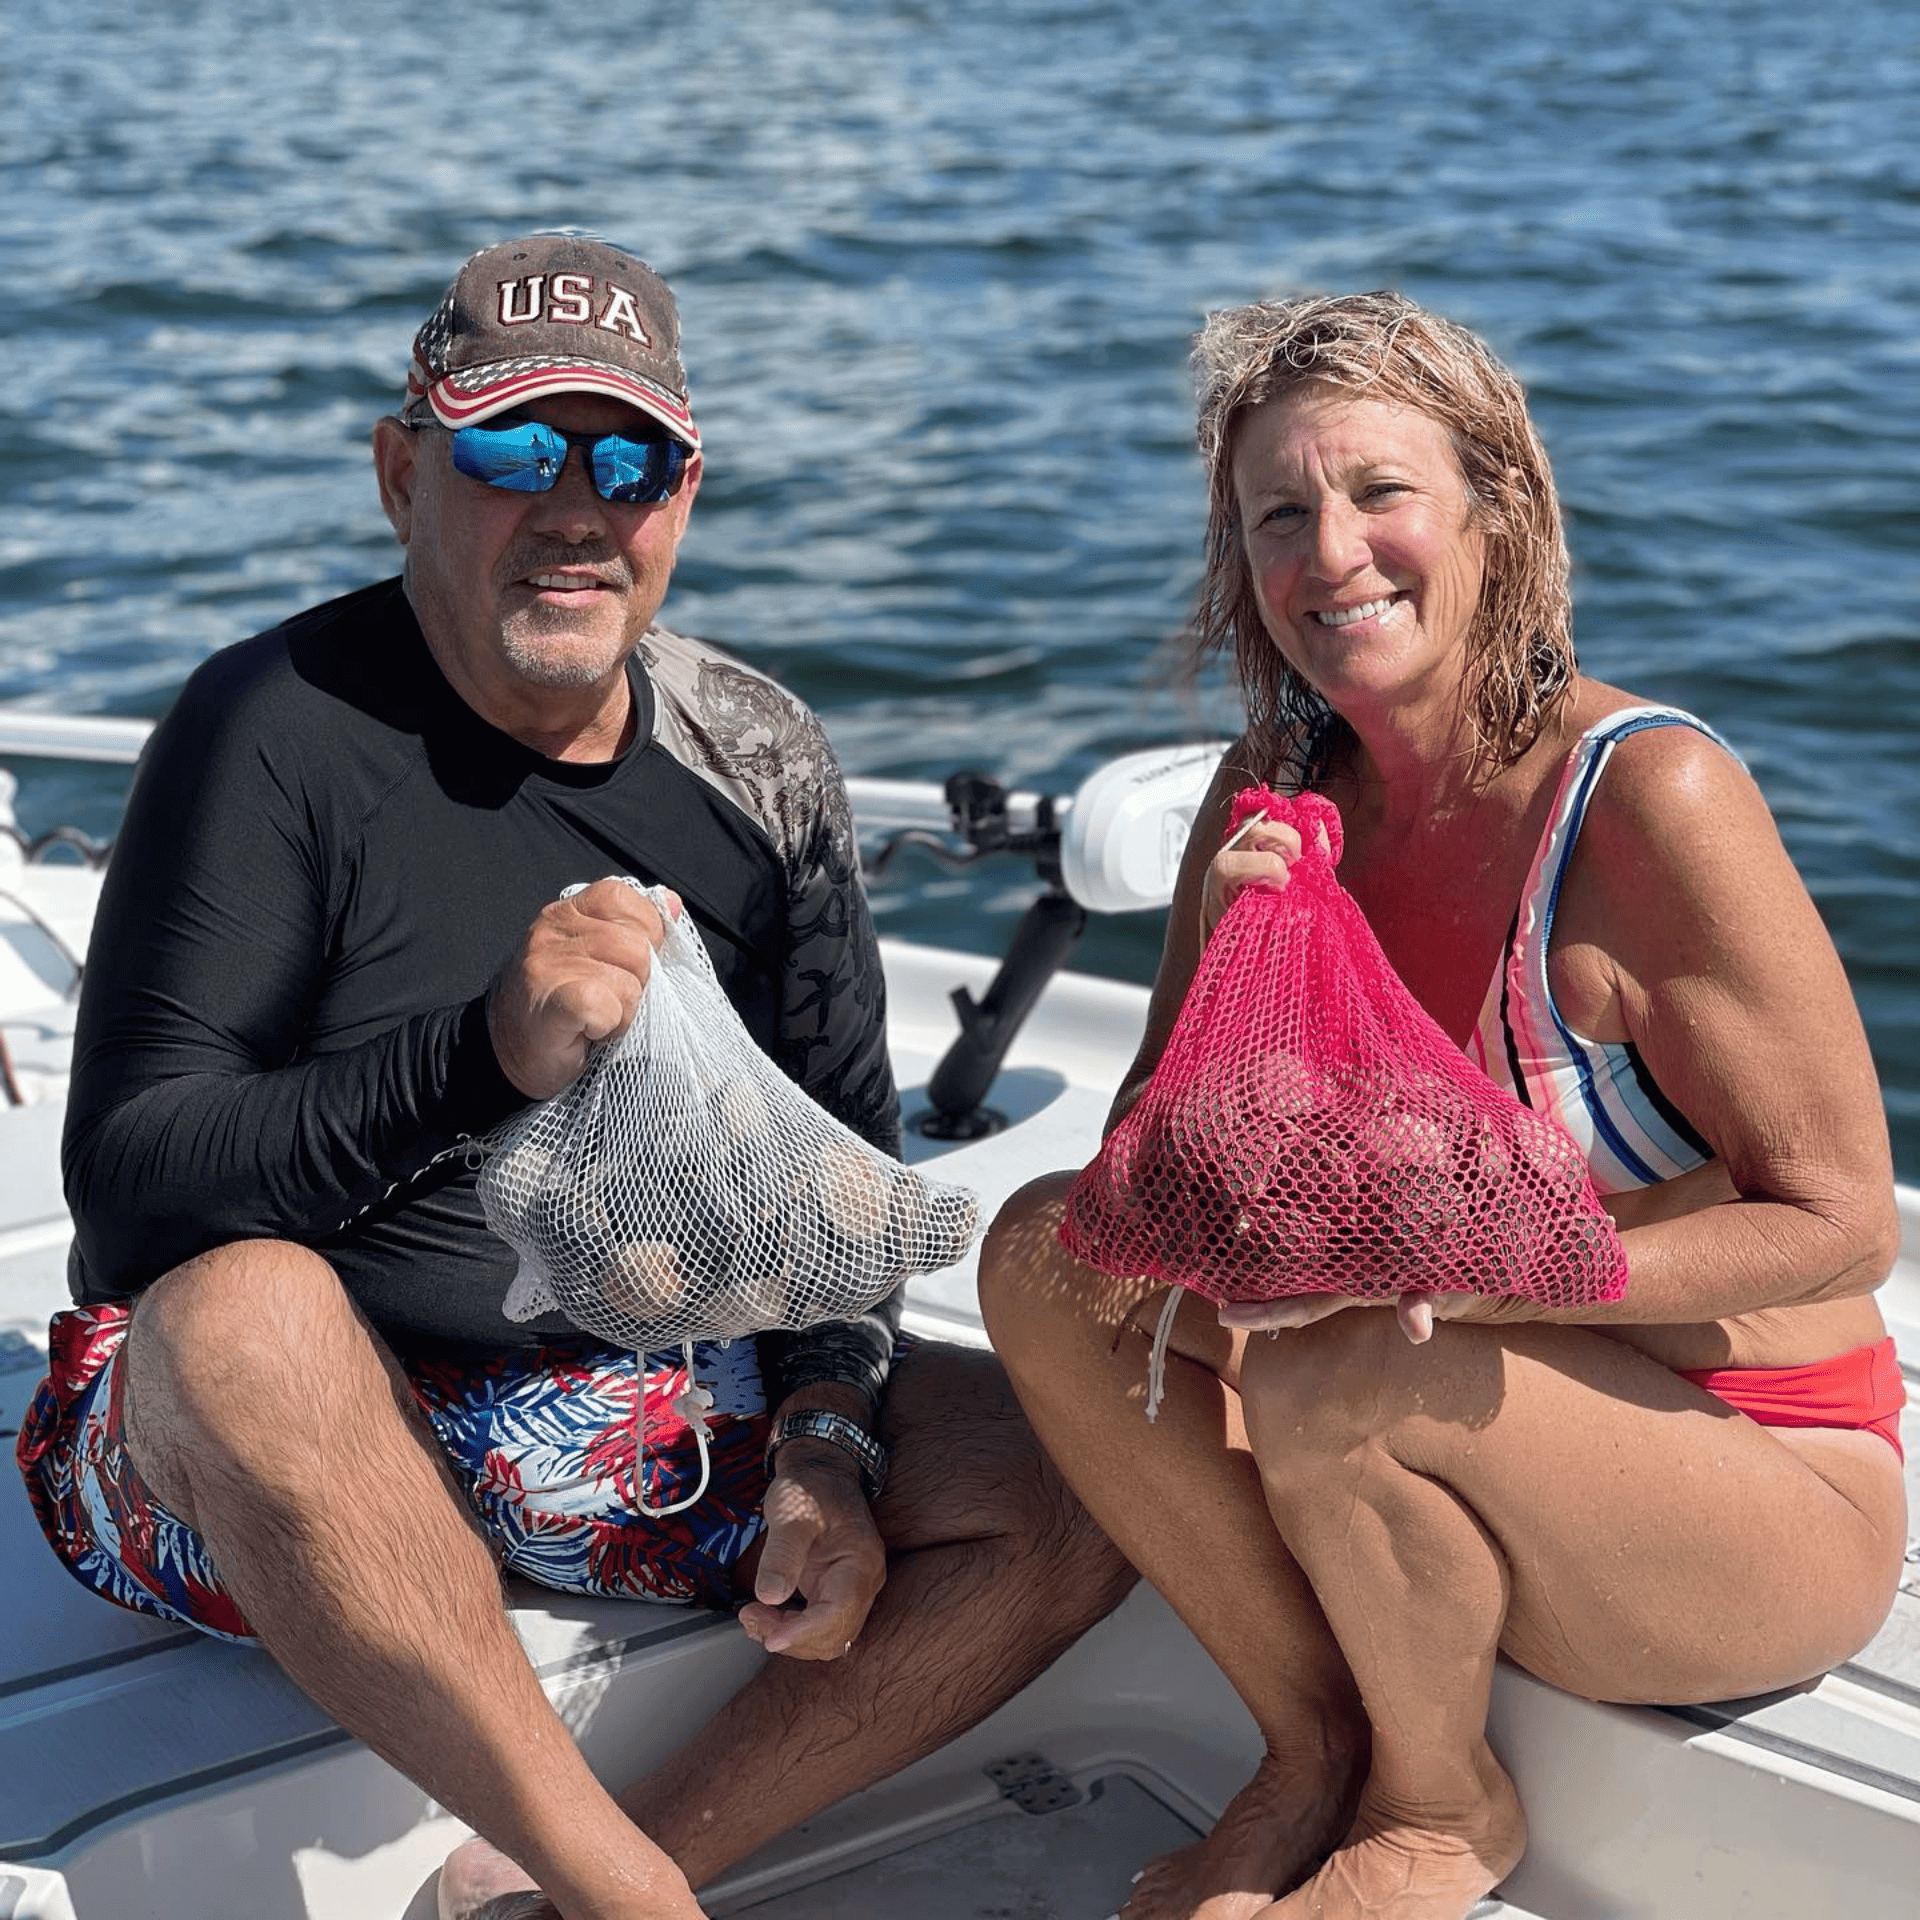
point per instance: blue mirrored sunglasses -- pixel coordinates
(526, 456)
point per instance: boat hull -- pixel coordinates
(145, 1770)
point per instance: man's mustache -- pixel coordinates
(609, 564)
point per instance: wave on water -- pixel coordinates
(939, 269)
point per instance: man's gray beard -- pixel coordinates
(560, 668)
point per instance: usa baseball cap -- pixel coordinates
(562, 312)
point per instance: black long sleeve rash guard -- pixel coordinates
(326, 858)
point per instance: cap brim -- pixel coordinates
(475, 394)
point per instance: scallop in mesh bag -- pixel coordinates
(683, 1188)
(1311, 1129)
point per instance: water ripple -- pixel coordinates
(939, 269)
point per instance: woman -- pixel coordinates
(1356, 1515)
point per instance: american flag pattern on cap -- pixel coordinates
(553, 313)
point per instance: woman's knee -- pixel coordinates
(1331, 1385)
(1021, 1258)
(1036, 1299)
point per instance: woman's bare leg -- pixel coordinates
(1556, 1495)
(1182, 1500)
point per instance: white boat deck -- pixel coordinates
(145, 1771)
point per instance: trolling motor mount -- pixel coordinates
(1114, 847)
(1047, 934)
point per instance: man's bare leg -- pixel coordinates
(993, 1571)
(263, 1411)
(1182, 1498)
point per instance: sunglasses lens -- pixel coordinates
(526, 458)
(636, 472)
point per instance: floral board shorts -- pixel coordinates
(541, 1439)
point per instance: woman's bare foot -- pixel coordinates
(1394, 1868)
(1274, 1830)
(479, 1882)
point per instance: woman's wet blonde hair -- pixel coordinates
(1382, 347)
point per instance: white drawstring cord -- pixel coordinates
(693, 1403)
(1157, 1360)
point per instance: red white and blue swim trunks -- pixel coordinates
(541, 1440)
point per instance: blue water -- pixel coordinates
(938, 267)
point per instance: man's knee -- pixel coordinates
(224, 1349)
(234, 1311)
(969, 1467)
(965, 1462)
(260, 1272)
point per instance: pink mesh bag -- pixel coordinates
(1310, 1129)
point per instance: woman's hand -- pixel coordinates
(1259, 854)
(1417, 1311)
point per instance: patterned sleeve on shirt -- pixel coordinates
(761, 746)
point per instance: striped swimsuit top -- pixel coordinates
(1599, 1091)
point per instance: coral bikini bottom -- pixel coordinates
(1861, 1389)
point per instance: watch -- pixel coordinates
(838, 1431)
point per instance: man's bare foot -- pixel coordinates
(479, 1882)
(1274, 1830)
(1397, 1869)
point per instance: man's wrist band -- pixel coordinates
(837, 1431)
(844, 1365)
(848, 1353)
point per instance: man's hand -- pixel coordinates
(822, 1546)
(576, 980)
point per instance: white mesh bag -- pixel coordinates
(683, 1188)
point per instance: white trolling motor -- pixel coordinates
(1114, 846)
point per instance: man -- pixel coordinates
(331, 954)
